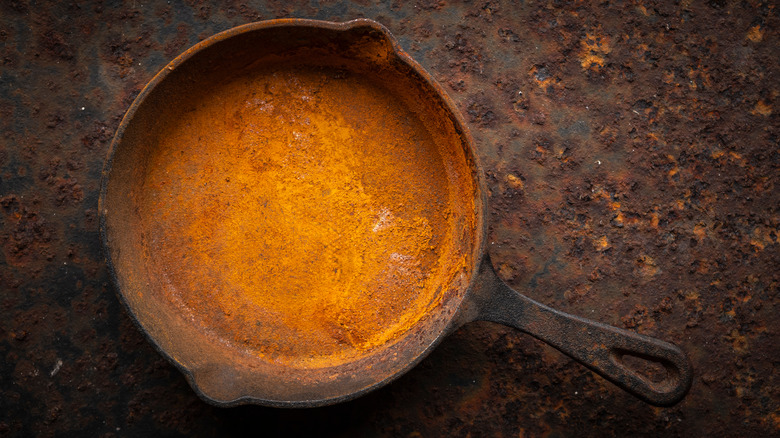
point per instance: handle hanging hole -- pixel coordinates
(650, 369)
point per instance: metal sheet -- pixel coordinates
(634, 158)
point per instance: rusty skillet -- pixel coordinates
(294, 214)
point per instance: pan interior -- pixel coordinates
(305, 213)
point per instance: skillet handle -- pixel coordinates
(600, 347)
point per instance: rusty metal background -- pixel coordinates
(633, 160)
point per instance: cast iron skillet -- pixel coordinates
(230, 360)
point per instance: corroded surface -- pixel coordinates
(299, 212)
(246, 207)
(632, 159)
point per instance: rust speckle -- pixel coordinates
(762, 108)
(593, 49)
(602, 243)
(738, 342)
(647, 266)
(514, 181)
(756, 33)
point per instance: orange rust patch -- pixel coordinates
(602, 244)
(700, 231)
(647, 266)
(514, 181)
(303, 214)
(774, 419)
(762, 108)
(761, 237)
(755, 34)
(738, 341)
(593, 49)
(654, 219)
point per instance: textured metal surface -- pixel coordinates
(632, 159)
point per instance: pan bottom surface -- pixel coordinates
(298, 212)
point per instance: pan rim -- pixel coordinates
(480, 207)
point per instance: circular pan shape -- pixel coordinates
(292, 212)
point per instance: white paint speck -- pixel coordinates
(383, 219)
(56, 369)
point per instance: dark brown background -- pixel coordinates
(631, 152)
